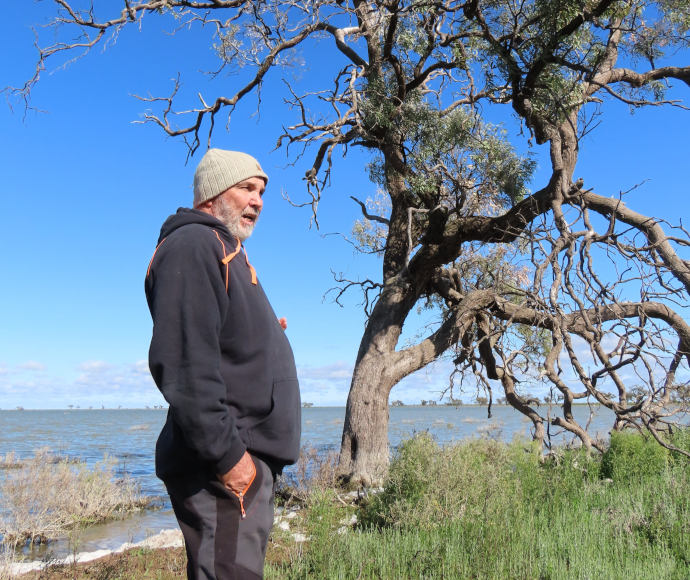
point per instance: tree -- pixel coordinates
(564, 285)
(681, 394)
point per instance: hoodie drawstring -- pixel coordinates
(227, 257)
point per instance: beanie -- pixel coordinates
(219, 170)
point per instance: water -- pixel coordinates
(129, 437)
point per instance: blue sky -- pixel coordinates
(85, 191)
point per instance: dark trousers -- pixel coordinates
(220, 544)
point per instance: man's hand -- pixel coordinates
(283, 323)
(240, 476)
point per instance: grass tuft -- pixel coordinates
(47, 495)
(315, 472)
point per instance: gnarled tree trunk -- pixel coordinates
(364, 450)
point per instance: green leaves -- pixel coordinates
(632, 456)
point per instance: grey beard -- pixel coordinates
(231, 220)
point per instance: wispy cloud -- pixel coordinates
(94, 384)
(94, 366)
(335, 371)
(329, 384)
(429, 383)
(32, 365)
(325, 385)
(141, 367)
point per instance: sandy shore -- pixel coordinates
(163, 539)
(284, 519)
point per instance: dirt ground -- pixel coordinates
(138, 563)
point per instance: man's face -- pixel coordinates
(239, 207)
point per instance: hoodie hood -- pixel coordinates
(185, 216)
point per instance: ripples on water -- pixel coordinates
(129, 436)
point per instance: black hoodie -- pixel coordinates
(218, 354)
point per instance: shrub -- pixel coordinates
(486, 509)
(427, 484)
(315, 472)
(7, 560)
(48, 495)
(632, 456)
(9, 461)
(680, 438)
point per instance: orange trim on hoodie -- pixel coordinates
(227, 268)
(148, 270)
(251, 268)
(226, 260)
(228, 257)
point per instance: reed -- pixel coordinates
(47, 495)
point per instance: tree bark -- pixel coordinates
(364, 449)
(364, 454)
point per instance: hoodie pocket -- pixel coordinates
(277, 435)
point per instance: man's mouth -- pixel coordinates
(250, 217)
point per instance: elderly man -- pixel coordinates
(221, 359)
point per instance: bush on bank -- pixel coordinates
(486, 509)
(47, 495)
(631, 456)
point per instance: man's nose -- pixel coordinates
(256, 201)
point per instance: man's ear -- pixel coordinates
(205, 206)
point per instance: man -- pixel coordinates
(221, 359)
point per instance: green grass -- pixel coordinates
(484, 509)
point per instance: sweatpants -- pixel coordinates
(220, 544)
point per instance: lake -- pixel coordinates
(129, 436)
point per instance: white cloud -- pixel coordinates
(338, 370)
(428, 383)
(99, 383)
(326, 385)
(94, 366)
(32, 365)
(141, 367)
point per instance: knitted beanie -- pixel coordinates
(219, 170)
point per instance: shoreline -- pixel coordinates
(168, 538)
(403, 406)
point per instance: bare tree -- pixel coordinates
(565, 285)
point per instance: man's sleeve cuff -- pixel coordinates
(231, 458)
